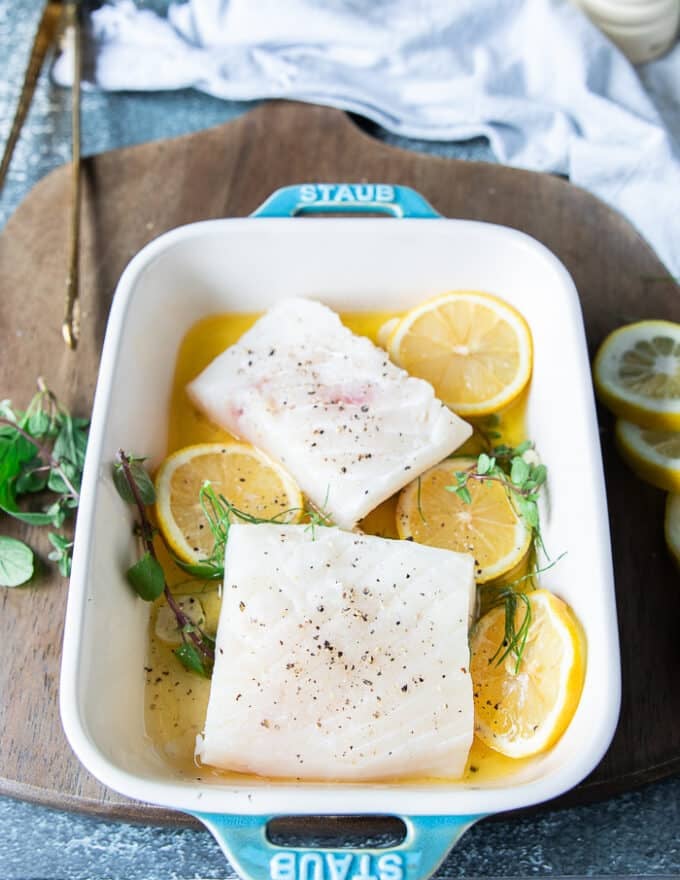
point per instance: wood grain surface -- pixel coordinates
(133, 195)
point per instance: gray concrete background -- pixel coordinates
(637, 834)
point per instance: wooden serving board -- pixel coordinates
(133, 195)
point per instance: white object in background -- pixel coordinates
(642, 29)
(535, 77)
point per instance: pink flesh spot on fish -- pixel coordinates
(346, 395)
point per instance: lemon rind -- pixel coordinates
(643, 459)
(672, 525)
(663, 415)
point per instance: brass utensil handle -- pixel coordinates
(44, 37)
(70, 327)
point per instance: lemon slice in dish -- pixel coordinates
(523, 711)
(637, 374)
(489, 527)
(473, 348)
(653, 455)
(247, 478)
(672, 525)
(386, 331)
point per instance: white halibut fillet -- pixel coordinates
(350, 426)
(340, 657)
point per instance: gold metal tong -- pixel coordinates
(57, 14)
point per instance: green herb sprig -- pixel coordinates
(522, 475)
(42, 453)
(146, 576)
(220, 514)
(511, 598)
(515, 637)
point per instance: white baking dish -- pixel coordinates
(361, 263)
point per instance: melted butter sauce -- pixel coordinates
(176, 699)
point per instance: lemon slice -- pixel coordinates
(653, 455)
(489, 527)
(246, 477)
(386, 331)
(473, 348)
(637, 374)
(523, 712)
(672, 526)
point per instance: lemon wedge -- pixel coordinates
(489, 527)
(653, 455)
(637, 374)
(672, 525)
(249, 479)
(521, 712)
(473, 348)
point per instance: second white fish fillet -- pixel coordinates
(350, 426)
(340, 657)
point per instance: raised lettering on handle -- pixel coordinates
(347, 198)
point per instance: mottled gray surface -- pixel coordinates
(636, 834)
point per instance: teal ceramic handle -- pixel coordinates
(346, 198)
(243, 840)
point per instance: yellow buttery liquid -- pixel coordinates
(176, 700)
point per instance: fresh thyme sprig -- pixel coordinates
(511, 598)
(317, 516)
(515, 637)
(197, 651)
(522, 475)
(42, 452)
(220, 514)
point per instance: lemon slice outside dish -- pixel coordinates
(489, 527)
(672, 526)
(247, 478)
(653, 455)
(522, 712)
(637, 374)
(473, 348)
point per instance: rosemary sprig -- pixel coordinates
(197, 651)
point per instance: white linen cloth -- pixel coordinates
(535, 77)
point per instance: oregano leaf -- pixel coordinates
(141, 479)
(190, 657)
(484, 464)
(519, 471)
(16, 562)
(146, 578)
